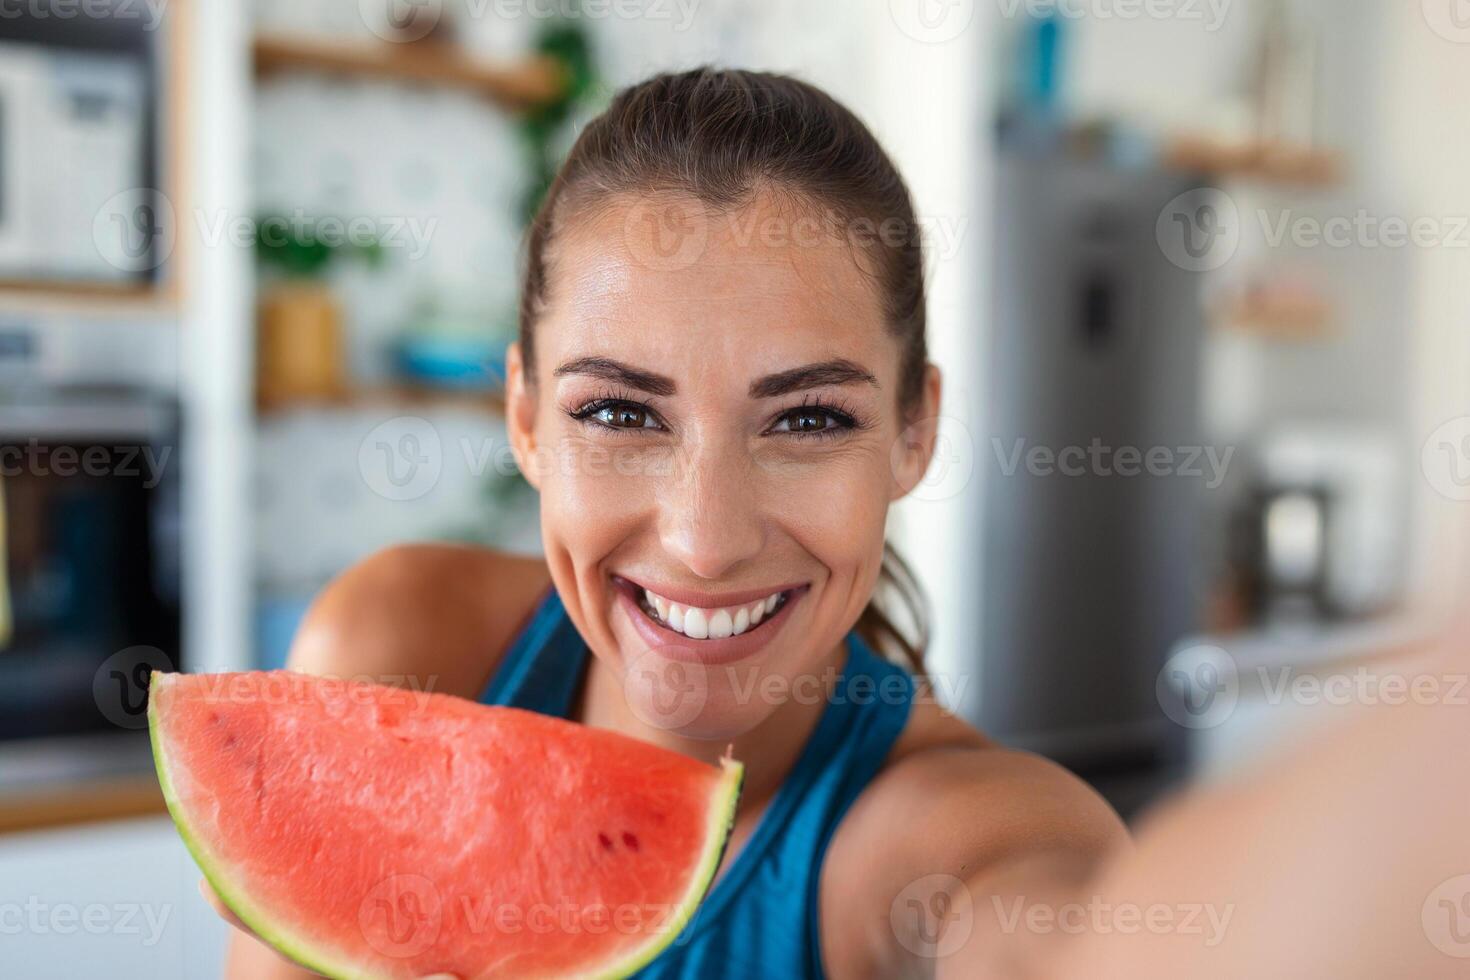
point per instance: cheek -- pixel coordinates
(836, 508)
(593, 495)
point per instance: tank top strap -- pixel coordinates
(542, 669)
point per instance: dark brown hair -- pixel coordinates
(722, 136)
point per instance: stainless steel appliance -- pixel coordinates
(1091, 554)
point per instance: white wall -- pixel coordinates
(932, 108)
(1423, 152)
(118, 900)
(217, 339)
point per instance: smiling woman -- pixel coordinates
(720, 387)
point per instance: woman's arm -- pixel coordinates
(951, 809)
(1348, 857)
(427, 617)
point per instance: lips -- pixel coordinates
(704, 627)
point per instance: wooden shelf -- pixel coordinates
(1266, 162)
(90, 801)
(518, 85)
(78, 296)
(397, 396)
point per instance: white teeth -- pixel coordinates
(721, 625)
(696, 625)
(715, 624)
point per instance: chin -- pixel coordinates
(695, 700)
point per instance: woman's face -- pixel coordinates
(714, 429)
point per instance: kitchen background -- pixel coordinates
(1197, 285)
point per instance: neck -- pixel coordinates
(768, 751)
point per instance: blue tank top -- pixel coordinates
(760, 918)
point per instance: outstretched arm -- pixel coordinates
(1349, 858)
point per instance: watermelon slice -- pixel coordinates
(370, 831)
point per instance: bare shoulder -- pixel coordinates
(436, 616)
(977, 798)
(949, 801)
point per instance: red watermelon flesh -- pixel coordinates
(369, 831)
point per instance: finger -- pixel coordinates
(221, 909)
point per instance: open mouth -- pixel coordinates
(707, 623)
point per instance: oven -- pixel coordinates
(89, 585)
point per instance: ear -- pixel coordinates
(520, 414)
(914, 448)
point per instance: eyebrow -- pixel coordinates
(839, 371)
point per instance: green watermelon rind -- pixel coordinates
(722, 821)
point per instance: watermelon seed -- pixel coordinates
(604, 840)
(630, 840)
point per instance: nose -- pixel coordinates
(710, 517)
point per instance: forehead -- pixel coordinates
(665, 275)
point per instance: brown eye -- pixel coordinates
(809, 421)
(812, 420)
(615, 413)
(628, 417)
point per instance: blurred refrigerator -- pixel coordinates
(1091, 573)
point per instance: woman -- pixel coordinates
(720, 386)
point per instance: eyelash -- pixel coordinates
(843, 417)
